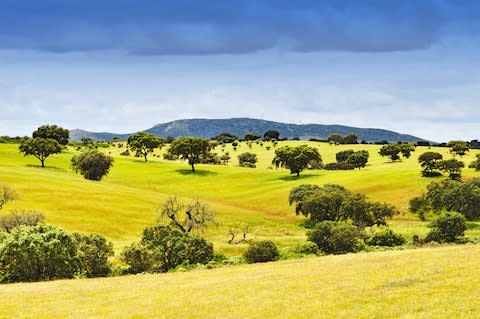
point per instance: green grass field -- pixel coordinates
(424, 283)
(126, 201)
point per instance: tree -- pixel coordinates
(144, 143)
(87, 141)
(247, 159)
(196, 216)
(7, 194)
(55, 132)
(335, 138)
(344, 155)
(359, 159)
(225, 137)
(271, 135)
(336, 237)
(453, 167)
(40, 147)
(251, 137)
(476, 163)
(18, 218)
(93, 253)
(296, 158)
(190, 148)
(429, 161)
(458, 147)
(93, 165)
(261, 251)
(447, 228)
(350, 139)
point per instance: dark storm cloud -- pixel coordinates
(231, 26)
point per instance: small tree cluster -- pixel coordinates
(350, 159)
(336, 203)
(336, 138)
(225, 137)
(393, 151)
(458, 147)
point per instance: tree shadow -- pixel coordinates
(196, 173)
(295, 177)
(46, 167)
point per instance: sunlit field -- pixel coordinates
(126, 201)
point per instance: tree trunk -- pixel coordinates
(145, 156)
(193, 168)
(43, 163)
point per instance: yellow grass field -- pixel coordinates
(437, 282)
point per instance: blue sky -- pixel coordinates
(124, 65)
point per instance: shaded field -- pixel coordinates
(437, 282)
(126, 201)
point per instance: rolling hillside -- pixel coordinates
(241, 126)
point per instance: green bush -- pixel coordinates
(308, 248)
(247, 159)
(93, 165)
(339, 166)
(93, 253)
(336, 237)
(261, 251)
(447, 228)
(138, 258)
(34, 253)
(386, 237)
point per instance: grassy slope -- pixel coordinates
(422, 283)
(125, 201)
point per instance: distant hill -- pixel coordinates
(241, 126)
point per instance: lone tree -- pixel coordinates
(190, 148)
(61, 135)
(458, 147)
(335, 138)
(429, 161)
(271, 135)
(196, 216)
(296, 158)
(144, 143)
(93, 165)
(40, 147)
(453, 167)
(7, 194)
(247, 159)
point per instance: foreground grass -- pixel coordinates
(424, 283)
(126, 201)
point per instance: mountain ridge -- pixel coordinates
(204, 127)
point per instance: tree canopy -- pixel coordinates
(55, 132)
(429, 161)
(191, 149)
(393, 151)
(296, 158)
(93, 165)
(144, 143)
(40, 147)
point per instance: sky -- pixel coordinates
(123, 65)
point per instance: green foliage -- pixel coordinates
(335, 138)
(251, 137)
(447, 228)
(144, 143)
(168, 248)
(18, 218)
(7, 194)
(40, 147)
(93, 253)
(419, 205)
(225, 137)
(191, 149)
(93, 165)
(429, 161)
(55, 132)
(247, 159)
(296, 158)
(37, 253)
(393, 151)
(210, 158)
(358, 159)
(450, 195)
(138, 258)
(453, 167)
(342, 166)
(261, 251)
(308, 248)
(335, 203)
(271, 135)
(458, 147)
(475, 164)
(386, 237)
(336, 237)
(339, 139)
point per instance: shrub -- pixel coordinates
(93, 253)
(308, 248)
(447, 228)
(33, 253)
(93, 165)
(138, 258)
(336, 237)
(247, 159)
(17, 218)
(386, 237)
(261, 251)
